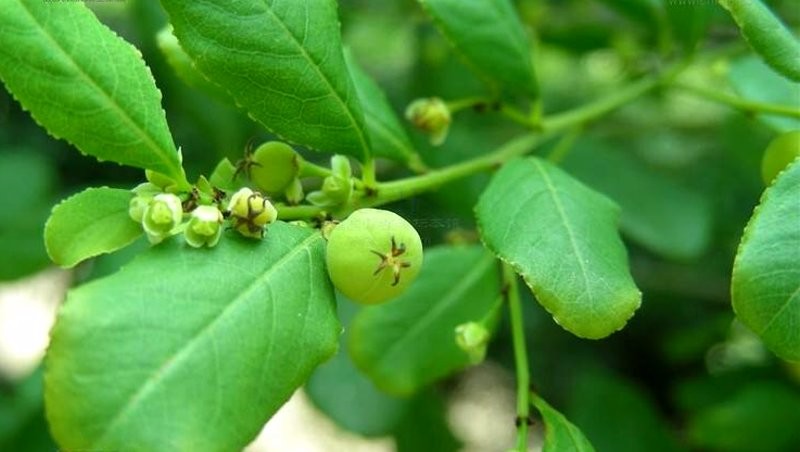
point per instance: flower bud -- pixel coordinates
(204, 227)
(472, 337)
(432, 116)
(336, 188)
(162, 216)
(251, 212)
(137, 207)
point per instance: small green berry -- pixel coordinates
(273, 167)
(336, 188)
(251, 213)
(137, 207)
(373, 256)
(204, 227)
(162, 216)
(432, 116)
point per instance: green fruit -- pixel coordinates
(373, 256)
(273, 167)
(782, 151)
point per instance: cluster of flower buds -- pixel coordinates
(161, 215)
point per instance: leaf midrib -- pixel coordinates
(140, 131)
(350, 115)
(175, 358)
(570, 233)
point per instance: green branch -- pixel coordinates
(744, 105)
(520, 355)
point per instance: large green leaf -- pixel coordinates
(282, 62)
(560, 435)
(337, 386)
(689, 21)
(409, 342)
(773, 42)
(562, 238)
(657, 212)
(190, 349)
(761, 417)
(85, 84)
(387, 135)
(92, 222)
(766, 273)
(26, 186)
(630, 417)
(754, 80)
(489, 36)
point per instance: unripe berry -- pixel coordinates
(373, 256)
(273, 167)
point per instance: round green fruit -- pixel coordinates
(373, 256)
(781, 151)
(273, 167)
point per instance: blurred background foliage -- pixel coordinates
(683, 375)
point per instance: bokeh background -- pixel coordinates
(683, 375)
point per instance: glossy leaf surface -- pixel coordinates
(201, 337)
(562, 237)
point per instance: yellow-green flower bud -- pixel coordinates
(137, 206)
(432, 116)
(162, 217)
(251, 212)
(472, 337)
(204, 227)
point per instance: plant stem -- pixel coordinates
(384, 193)
(460, 104)
(368, 173)
(520, 355)
(303, 212)
(745, 105)
(405, 188)
(308, 169)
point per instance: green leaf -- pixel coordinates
(689, 21)
(387, 135)
(184, 67)
(562, 238)
(92, 222)
(22, 423)
(630, 418)
(490, 38)
(767, 35)
(409, 342)
(424, 428)
(190, 349)
(754, 80)
(282, 62)
(337, 386)
(761, 417)
(560, 435)
(678, 226)
(224, 176)
(26, 191)
(765, 286)
(84, 84)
